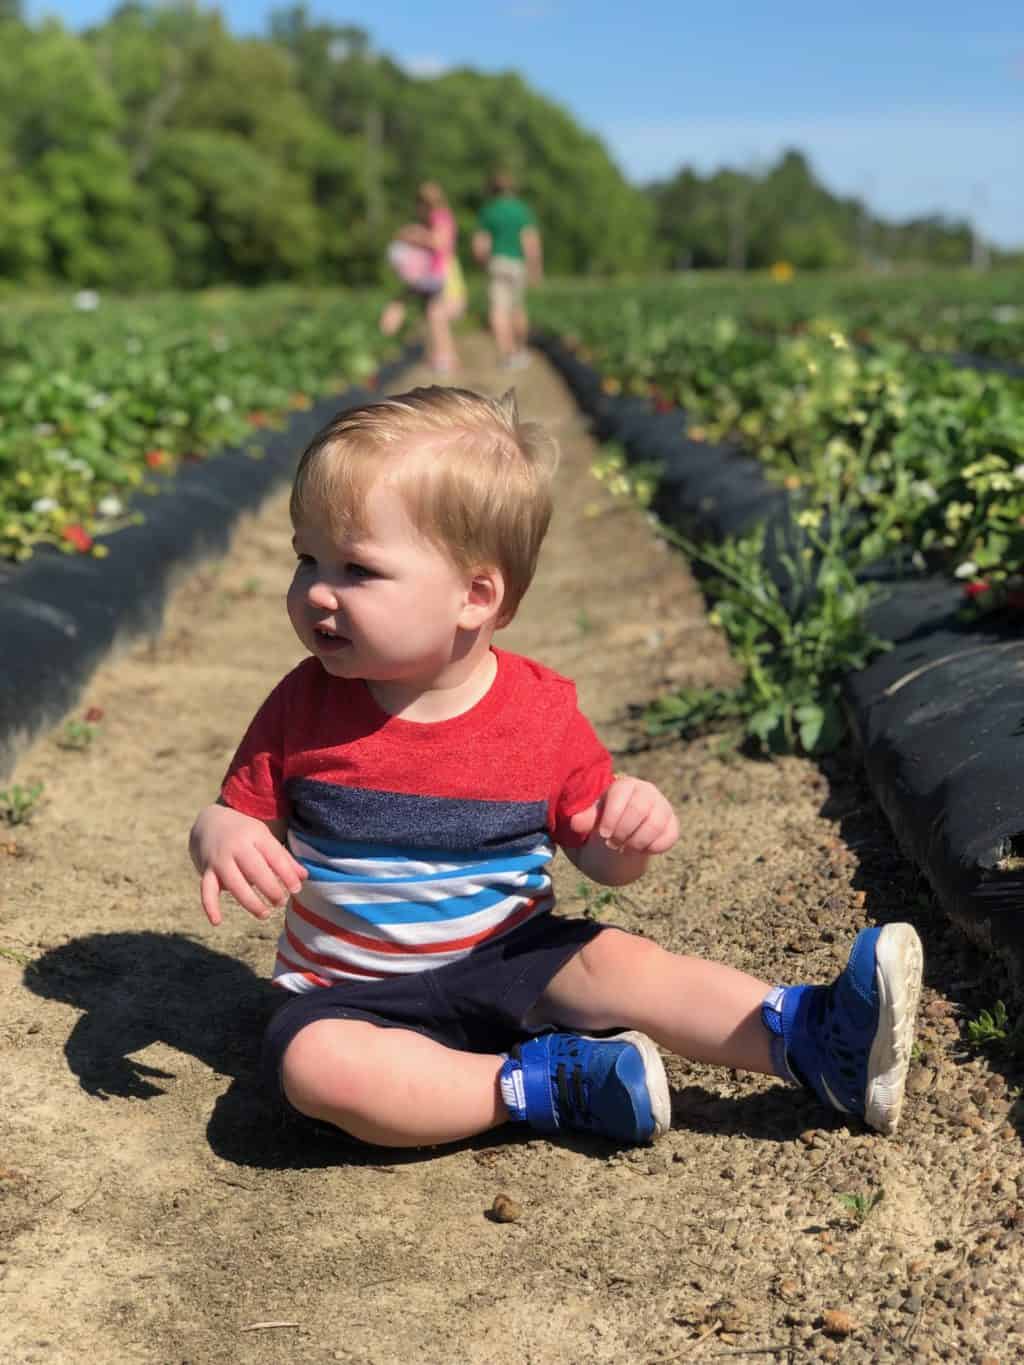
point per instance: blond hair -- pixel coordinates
(431, 194)
(474, 478)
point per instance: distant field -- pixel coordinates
(100, 396)
(842, 387)
(948, 311)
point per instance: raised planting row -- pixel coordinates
(239, 381)
(940, 312)
(99, 400)
(932, 692)
(912, 453)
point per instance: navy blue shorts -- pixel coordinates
(478, 1004)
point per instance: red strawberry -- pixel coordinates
(77, 536)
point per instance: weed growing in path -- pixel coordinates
(862, 1203)
(595, 900)
(18, 804)
(795, 642)
(993, 1029)
(77, 734)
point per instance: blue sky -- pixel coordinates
(916, 107)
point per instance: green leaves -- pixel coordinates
(158, 149)
(794, 641)
(928, 459)
(861, 1203)
(18, 803)
(994, 1029)
(820, 725)
(95, 404)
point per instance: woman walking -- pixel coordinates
(423, 256)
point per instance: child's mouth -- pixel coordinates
(327, 640)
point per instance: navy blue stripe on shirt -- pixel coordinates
(428, 824)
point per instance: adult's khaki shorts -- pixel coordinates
(507, 286)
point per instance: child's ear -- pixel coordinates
(484, 596)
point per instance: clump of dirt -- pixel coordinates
(152, 1211)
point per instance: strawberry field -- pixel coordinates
(838, 392)
(100, 399)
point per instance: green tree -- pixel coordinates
(73, 187)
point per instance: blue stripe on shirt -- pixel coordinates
(457, 907)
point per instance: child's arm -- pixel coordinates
(481, 246)
(238, 853)
(418, 235)
(623, 828)
(437, 235)
(529, 238)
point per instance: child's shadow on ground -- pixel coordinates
(140, 988)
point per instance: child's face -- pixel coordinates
(385, 604)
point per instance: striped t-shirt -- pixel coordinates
(421, 840)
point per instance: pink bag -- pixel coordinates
(412, 265)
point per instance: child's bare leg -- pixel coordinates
(391, 1086)
(392, 317)
(442, 354)
(705, 1011)
(850, 1042)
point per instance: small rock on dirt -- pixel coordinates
(505, 1209)
(836, 1323)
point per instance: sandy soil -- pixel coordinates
(150, 1211)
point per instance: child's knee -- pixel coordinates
(615, 951)
(314, 1076)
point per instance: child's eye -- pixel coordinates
(358, 570)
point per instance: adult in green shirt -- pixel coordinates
(507, 243)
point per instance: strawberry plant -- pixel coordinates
(96, 405)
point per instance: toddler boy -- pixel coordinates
(402, 791)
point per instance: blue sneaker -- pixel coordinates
(850, 1042)
(613, 1086)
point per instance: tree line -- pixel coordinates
(159, 149)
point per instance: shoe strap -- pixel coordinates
(771, 1017)
(541, 1110)
(510, 1082)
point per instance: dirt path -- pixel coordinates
(150, 1212)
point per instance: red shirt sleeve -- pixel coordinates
(585, 773)
(254, 782)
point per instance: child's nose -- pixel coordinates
(322, 595)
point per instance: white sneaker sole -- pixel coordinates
(898, 966)
(654, 1074)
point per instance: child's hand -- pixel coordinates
(236, 853)
(631, 817)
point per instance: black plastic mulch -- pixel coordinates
(60, 615)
